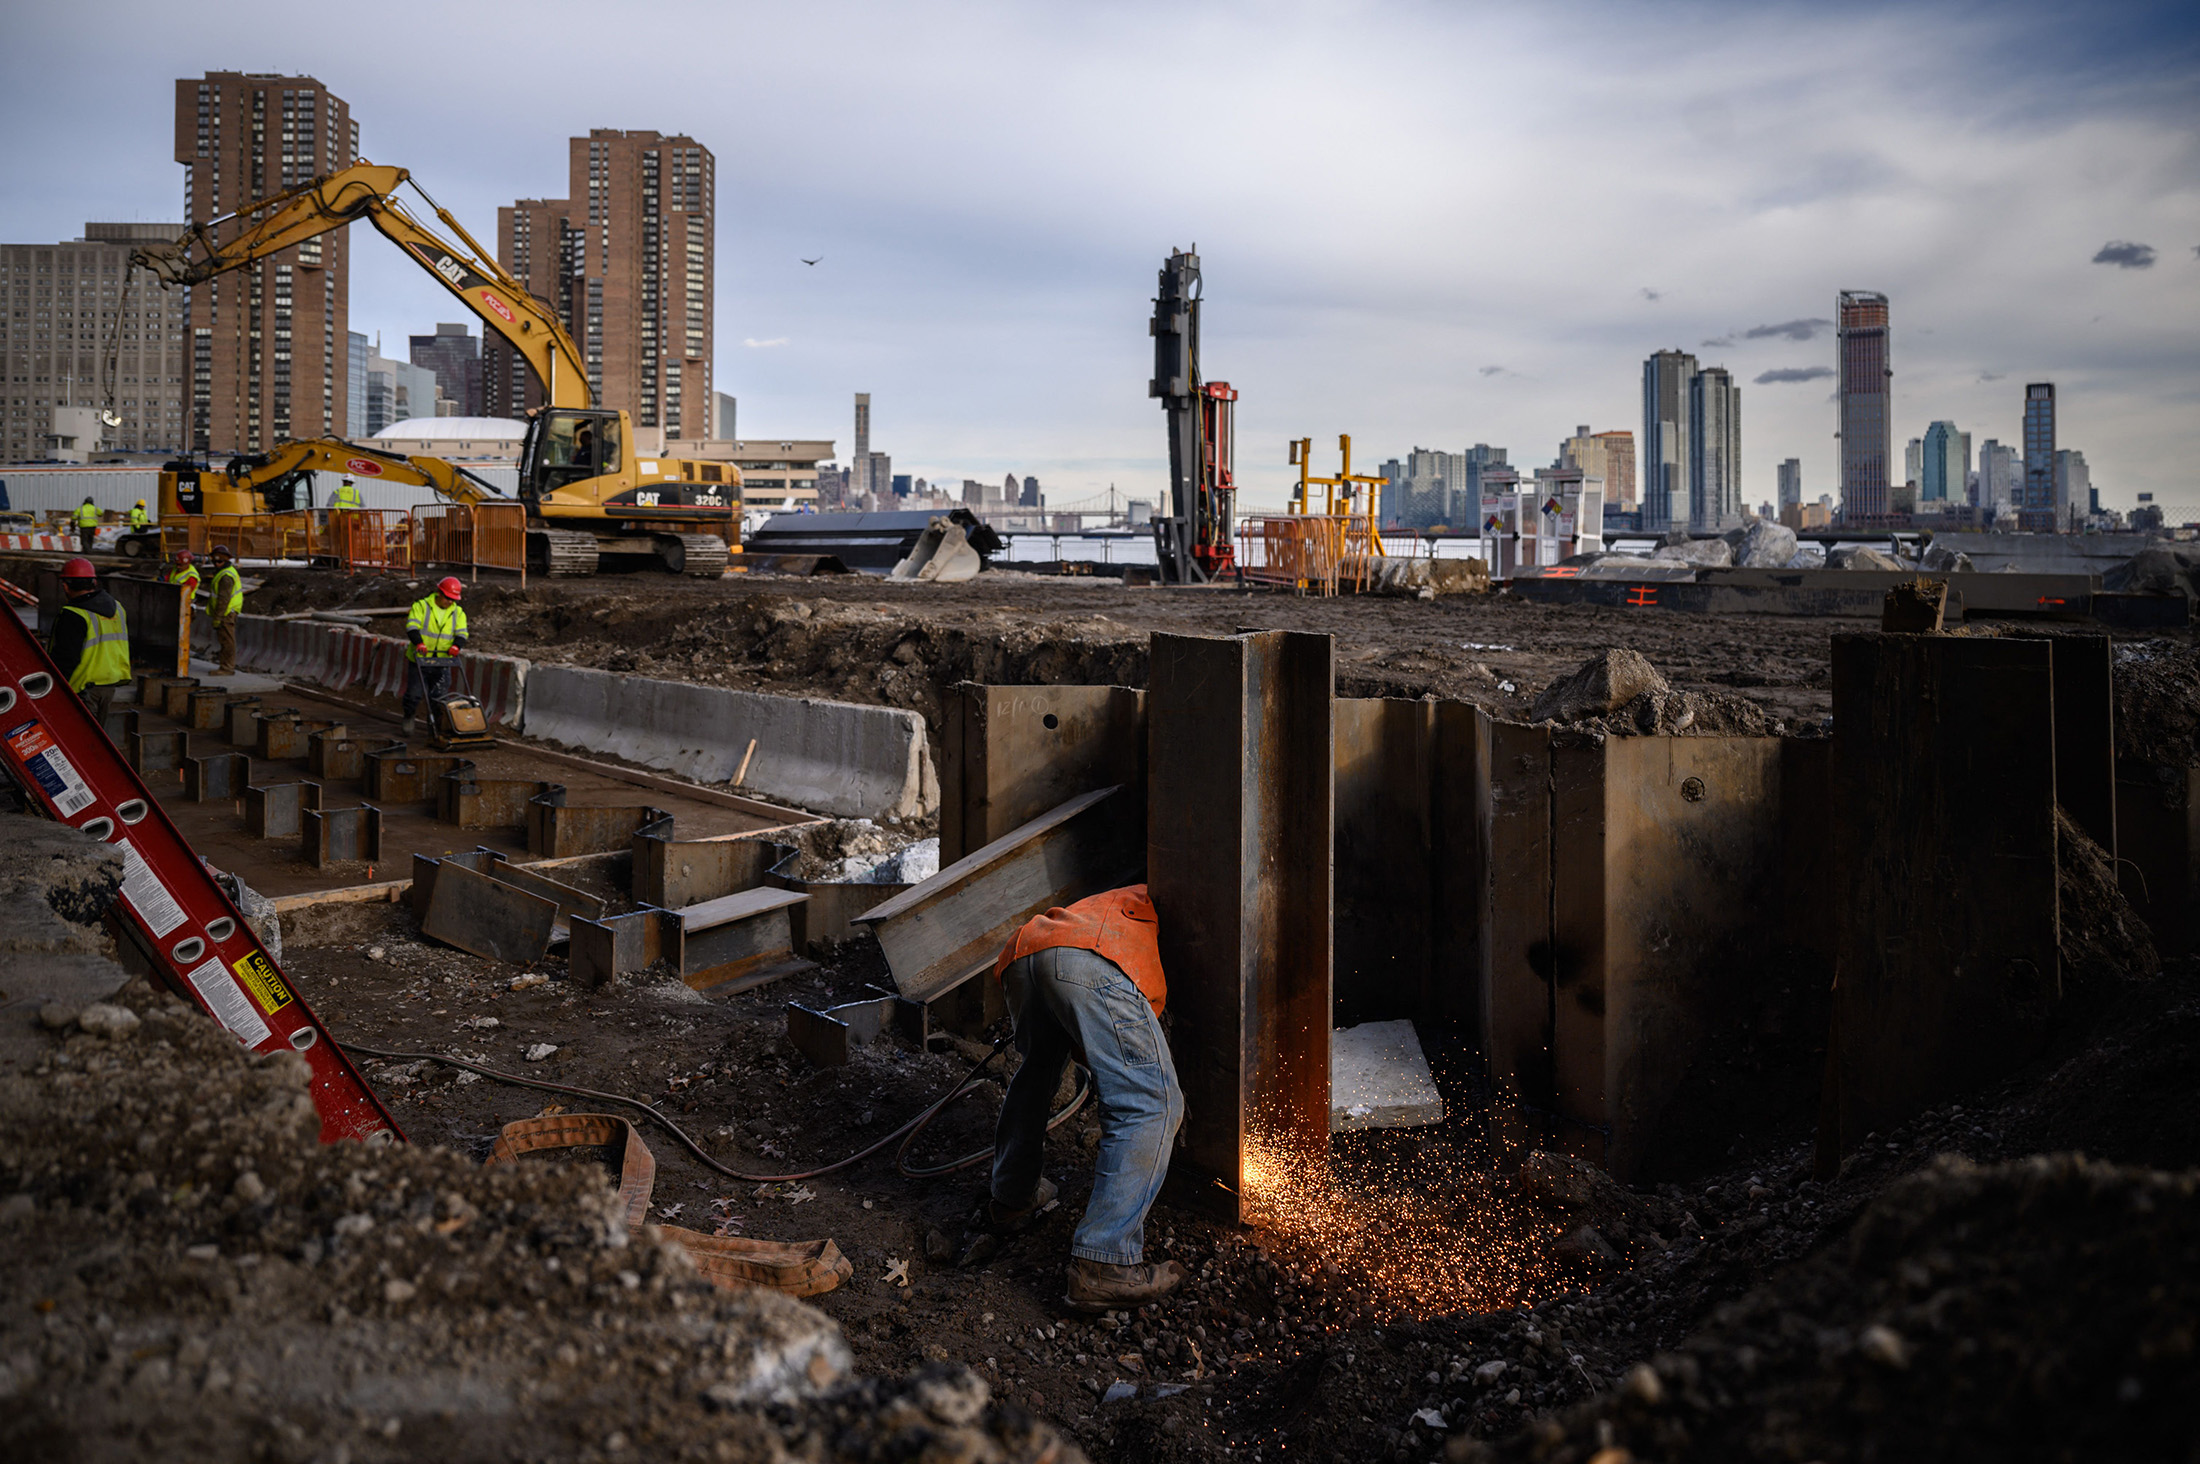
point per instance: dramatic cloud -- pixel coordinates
(1793, 373)
(1650, 294)
(2126, 255)
(1787, 330)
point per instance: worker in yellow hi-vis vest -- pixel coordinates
(435, 632)
(225, 602)
(87, 525)
(347, 496)
(137, 517)
(91, 639)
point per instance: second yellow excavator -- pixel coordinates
(589, 493)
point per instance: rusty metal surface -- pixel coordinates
(175, 697)
(1241, 769)
(341, 835)
(1386, 859)
(2085, 734)
(2158, 847)
(670, 872)
(155, 752)
(207, 709)
(488, 917)
(735, 942)
(1514, 821)
(244, 720)
(826, 1037)
(397, 774)
(1948, 968)
(221, 775)
(339, 755)
(284, 738)
(1013, 752)
(278, 810)
(616, 945)
(465, 798)
(556, 829)
(937, 934)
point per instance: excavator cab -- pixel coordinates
(568, 445)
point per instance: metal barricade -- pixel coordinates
(379, 540)
(264, 536)
(471, 536)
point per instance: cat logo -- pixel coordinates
(645, 500)
(448, 268)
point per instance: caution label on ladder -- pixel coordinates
(172, 911)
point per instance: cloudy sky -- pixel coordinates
(1422, 224)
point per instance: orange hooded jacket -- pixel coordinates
(1118, 926)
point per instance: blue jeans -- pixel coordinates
(1065, 1002)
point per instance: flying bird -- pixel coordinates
(810, 261)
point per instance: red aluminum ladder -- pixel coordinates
(187, 928)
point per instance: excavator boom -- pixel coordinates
(369, 191)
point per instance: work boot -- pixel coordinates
(409, 726)
(1098, 1286)
(1009, 1221)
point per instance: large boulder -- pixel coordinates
(1807, 556)
(1940, 558)
(1863, 556)
(1766, 544)
(2158, 569)
(1704, 553)
(1604, 683)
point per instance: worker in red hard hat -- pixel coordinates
(435, 632)
(1086, 981)
(91, 639)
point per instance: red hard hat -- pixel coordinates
(79, 569)
(183, 556)
(450, 589)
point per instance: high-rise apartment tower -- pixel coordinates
(626, 259)
(71, 317)
(454, 355)
(1714, 451)
(2036, 514)
(861, 463)
(1865, 376)
(269, 356)
(1666, 434)
(1947, 465)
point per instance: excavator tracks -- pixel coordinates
(561, 552)
(706, 555)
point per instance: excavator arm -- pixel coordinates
(366, 190)
(258, 472)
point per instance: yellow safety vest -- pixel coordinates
(106, 658)
(87, 516)
(438, 627)
(186, 575)
(139, 518)
(228, 593)
(347, 496)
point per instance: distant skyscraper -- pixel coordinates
(1666, 471)
(1031, 492)
(454, 355)
(860, 462)
(1606, 455)
(2074, 495)
(2000, 476)
(355, 384)
(269, 353)
(1947, 464)
(62, 357)
(1865, 375)
(723, 418)
(1791, 483)
(1714, 451)
(2037, 513)
(1913, 461)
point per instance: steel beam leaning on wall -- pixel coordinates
(1013, 752)
(1240, 790)
(1948, 965)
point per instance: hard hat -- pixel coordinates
(141, 503)
(79, 569)
(183, 556)
(221, 551)
(450, 589)
(347, 480)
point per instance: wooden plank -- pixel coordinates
(937, 933)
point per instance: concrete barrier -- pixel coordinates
(832, 757)
(340, 657)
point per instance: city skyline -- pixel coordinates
(989, 283)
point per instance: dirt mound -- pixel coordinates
(2036, 1310)
(199, 1277)
(2158, 703)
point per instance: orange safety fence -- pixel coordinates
(248, 536)
(477, 536)
(376, 539)
(1320, 553)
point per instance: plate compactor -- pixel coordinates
(455, 719)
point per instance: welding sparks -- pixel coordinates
(1425, 1234)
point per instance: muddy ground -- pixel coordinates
(863, 639)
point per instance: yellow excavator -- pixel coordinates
(589, 493)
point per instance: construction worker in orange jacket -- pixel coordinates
(1086, 981)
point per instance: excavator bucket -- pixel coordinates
(943, 555)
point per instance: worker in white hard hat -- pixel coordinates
(435, 632)
(347, 496)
